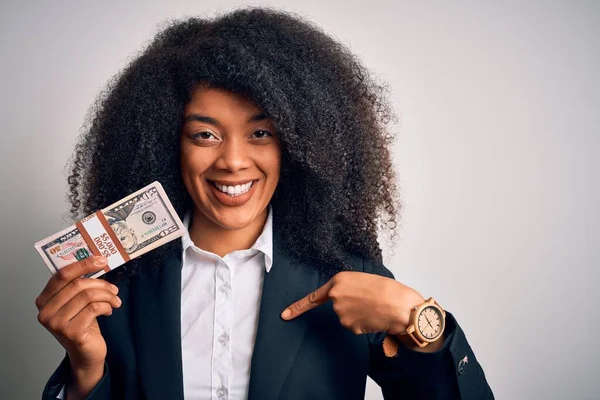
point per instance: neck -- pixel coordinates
(212, 237)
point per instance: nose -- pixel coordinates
(234, 156)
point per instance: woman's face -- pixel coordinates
(230, 157)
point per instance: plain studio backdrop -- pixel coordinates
(497, 158)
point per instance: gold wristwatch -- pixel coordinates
(426, 325)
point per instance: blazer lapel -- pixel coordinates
(277, 341)
(156, 314)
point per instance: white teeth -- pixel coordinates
(234, 190)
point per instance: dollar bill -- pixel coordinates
(141, 222)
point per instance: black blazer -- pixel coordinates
(310, 357)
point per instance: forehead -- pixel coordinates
(215, 101)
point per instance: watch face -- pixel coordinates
(430, 323)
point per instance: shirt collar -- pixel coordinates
(264, 243)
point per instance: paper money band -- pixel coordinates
(102, 241)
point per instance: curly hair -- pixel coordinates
(337, 183)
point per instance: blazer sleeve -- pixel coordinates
(452, 372)
(61, 376)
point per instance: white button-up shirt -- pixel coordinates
(220, 300)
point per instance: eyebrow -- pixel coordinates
(213, 121)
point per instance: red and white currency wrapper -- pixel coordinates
(102, 240)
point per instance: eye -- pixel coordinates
(261, 134)
(202, 135)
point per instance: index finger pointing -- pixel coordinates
(312, 300)
(66, 274)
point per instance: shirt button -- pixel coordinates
(223, 288)
(223, 338)
(221, 392)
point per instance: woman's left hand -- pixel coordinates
(365, 303)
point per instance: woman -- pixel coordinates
(270, 139)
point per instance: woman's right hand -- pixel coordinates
(68, 307)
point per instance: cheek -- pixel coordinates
(271, 166)
(193, 165)
(193, 161)
(270, 163)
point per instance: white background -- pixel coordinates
(497, 156)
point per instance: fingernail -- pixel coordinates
(114, 288)
(100, 261)
(286, 313)
(119, 301)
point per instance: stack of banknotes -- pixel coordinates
(132, 226)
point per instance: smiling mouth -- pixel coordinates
(233, 190)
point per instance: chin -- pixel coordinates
(232, 222)
(231, 218)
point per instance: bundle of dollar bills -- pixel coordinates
(132, 226)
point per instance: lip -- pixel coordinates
(232, 201)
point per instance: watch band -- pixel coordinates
(409, 340)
